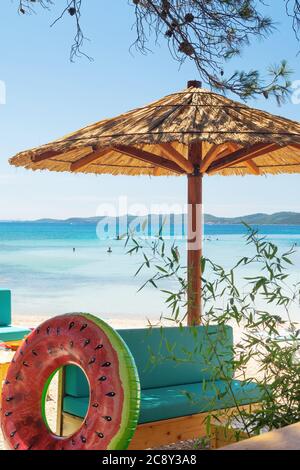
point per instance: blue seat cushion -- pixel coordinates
(76, 383)
(5, 307)
(184, 400)
(76, 406)
(181, 400)
(13, 333)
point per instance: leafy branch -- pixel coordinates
(207, 33)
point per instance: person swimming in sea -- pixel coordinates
(109, 250)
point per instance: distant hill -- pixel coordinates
(73, 220)
(279, 218)
(80, 220)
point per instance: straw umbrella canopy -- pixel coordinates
(193, 132)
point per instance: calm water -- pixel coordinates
(38, 264)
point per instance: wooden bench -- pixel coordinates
(185, 373)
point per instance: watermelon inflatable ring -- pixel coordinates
(92, 345)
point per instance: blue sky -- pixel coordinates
(47, 96)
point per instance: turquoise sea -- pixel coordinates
(47, 277)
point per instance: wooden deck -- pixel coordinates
(281, 439)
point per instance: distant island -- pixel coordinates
(278, 218)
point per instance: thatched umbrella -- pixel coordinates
(193, 132)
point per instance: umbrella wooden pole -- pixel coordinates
(194, 249)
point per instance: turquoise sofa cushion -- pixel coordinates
(174, 356)
(172, 402)
(184, 400)
(5, 307)
(13, 333)
(76, 383)
(170, 356)
(77, 406)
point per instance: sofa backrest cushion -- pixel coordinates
(5, 307)
(180, 355)
(76, 383)
(170, 356)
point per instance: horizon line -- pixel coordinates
(144, 215)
